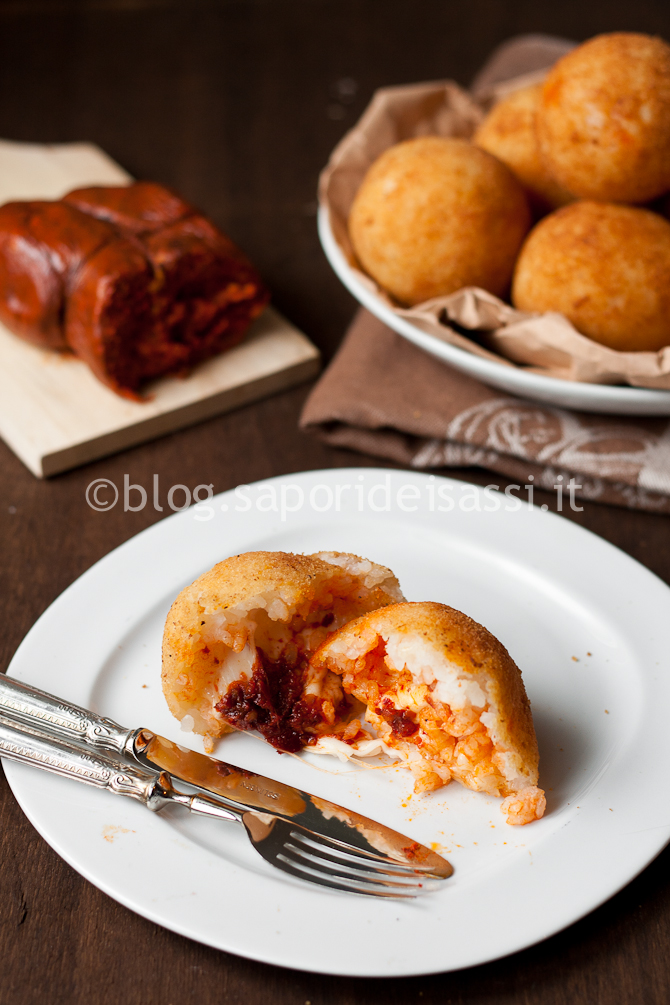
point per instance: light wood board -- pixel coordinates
(55, 415)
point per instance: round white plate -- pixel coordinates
(587, 625)
(601, 398)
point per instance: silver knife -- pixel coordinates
(235, 787)
(305, 854)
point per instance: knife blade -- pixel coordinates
(236, 786)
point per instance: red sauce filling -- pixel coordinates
(401, 720)
(271, 701)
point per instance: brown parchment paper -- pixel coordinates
(544, 343)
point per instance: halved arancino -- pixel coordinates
(237, 643)
(445, 694)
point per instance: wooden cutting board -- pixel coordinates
(55, 415)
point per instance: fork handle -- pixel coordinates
(70, 722)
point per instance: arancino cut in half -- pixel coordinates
(238, 641)
(446, 695)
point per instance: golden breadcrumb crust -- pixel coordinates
(603, 123)
(435, 214)
(606, 268)
(462, 641)
(189, 674)
(508, 132)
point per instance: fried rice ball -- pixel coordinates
(603, 123)
(436, 214)
(508, 132)
(447, 696)
(606, 268)
(237, 642)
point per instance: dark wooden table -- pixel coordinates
(237, 104)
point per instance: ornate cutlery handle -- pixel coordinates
(70, 722)
(19, 743)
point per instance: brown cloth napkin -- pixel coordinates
(382, 395)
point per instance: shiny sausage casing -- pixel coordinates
(130, 278)
(42, 244)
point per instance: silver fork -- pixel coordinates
(288, 846)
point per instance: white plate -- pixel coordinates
(601, 398)
(587, 625)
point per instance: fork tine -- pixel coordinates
(313, 857)
(365, 873)
(301, 870)
(323, 844)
